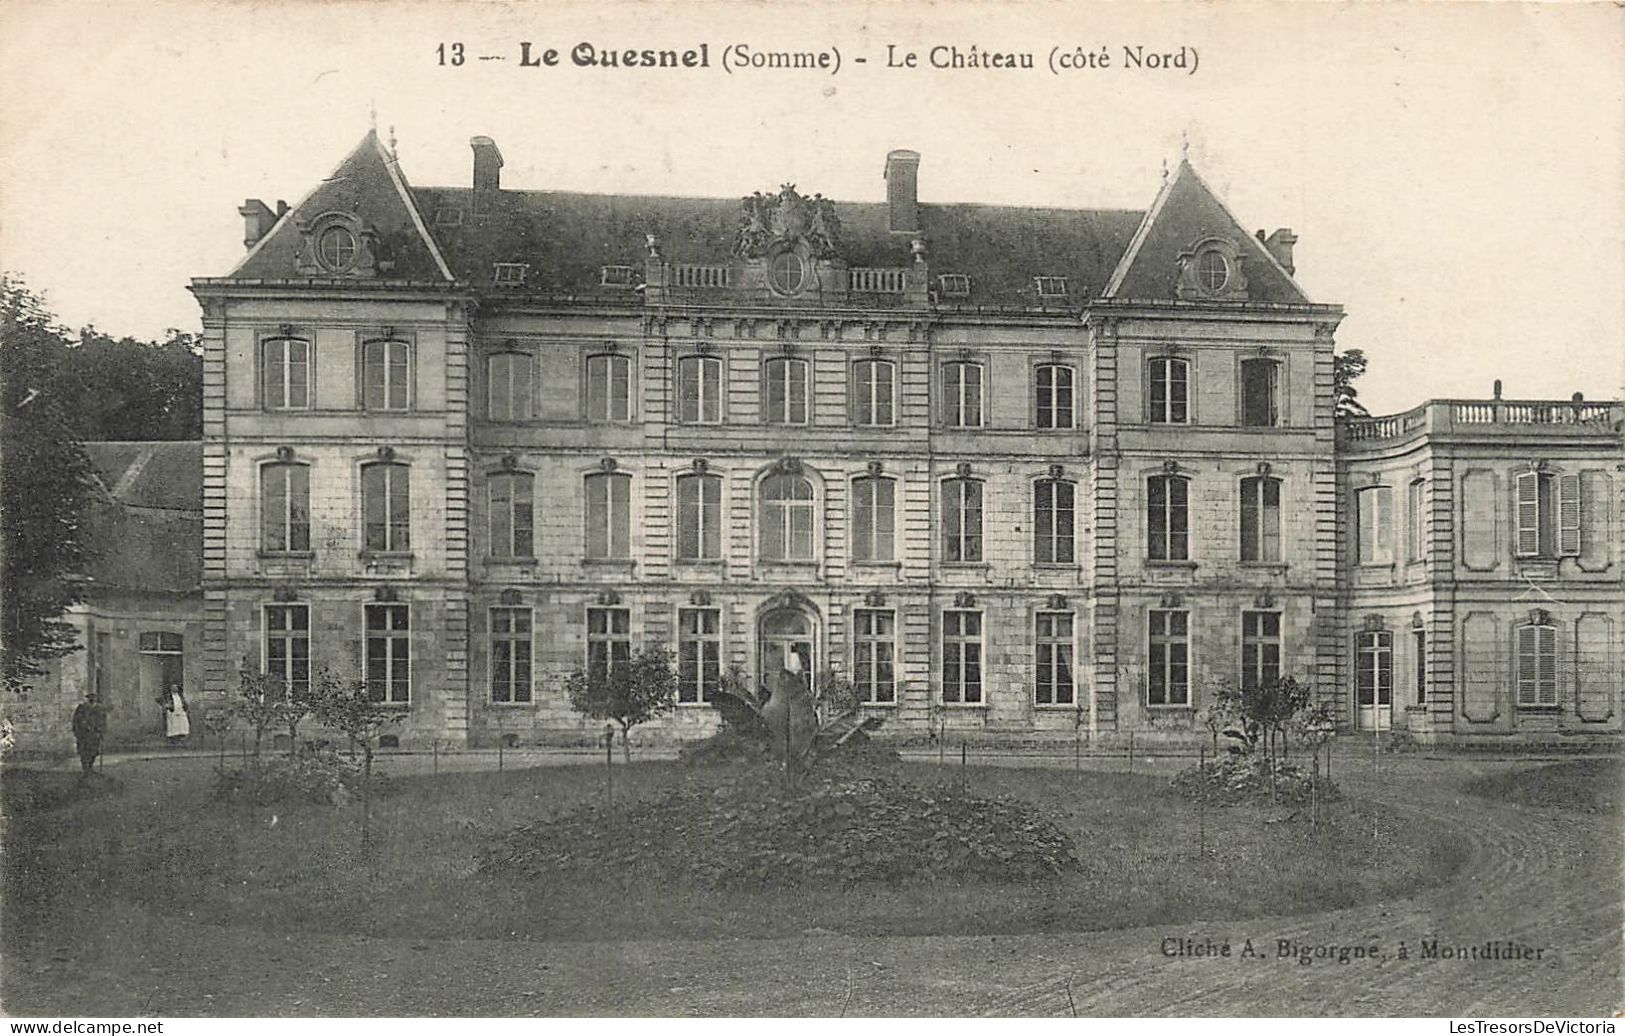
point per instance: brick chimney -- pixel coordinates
(903, 191)
(487, 171)
(257, 221)
(1280, 245)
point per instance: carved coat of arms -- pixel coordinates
(787, 216)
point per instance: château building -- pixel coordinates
(1016, 472)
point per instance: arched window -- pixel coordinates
(508, 386)
(874, 393)
(1170, 390)
(874, 518)
(386, 374)
(1261, 519)
(386, 502)
(512, 510)
(787, 390)
(699, 517)
(787, 518)
(1053, 384)
(609, 515)
(284, 508)
(961, 520)
(1052, 522)
(699, 390)
(1167, 518)
(285, 373)
(609, 388)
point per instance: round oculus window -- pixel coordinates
(787, 273)
(1212, 271)
(336, 248)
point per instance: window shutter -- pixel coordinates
(1528, 514)
(1568, 515)
(1526, 665)
(1547, 644)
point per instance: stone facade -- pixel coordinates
(859, 432)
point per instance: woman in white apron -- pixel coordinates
(176, 723)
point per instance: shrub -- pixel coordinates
(840, 831)
(1236, 779)
(321, 777)
(629, 692)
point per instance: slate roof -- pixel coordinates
(432, 234)
(147, 531)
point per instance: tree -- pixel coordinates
(1260, 711)
(259, 702)
(126, 389)
(1346, 367)
(345, 706)
(629, 692)
(47, 486)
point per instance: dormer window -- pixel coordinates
(617, 277)
(953, 286)
(510, 274)
(1051, 287)
(1212, 271)
(336, 248)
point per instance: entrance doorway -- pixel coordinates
(781, 632)
(1374, 680)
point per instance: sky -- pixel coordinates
(1455, 172)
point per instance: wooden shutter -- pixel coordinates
(1526, 665)
(1528, 514)
(1546, 644)
(1568, 515)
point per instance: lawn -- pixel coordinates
(163, 843)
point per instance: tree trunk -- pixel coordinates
(366, 797)
(626, 744)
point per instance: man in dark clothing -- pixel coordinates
(89, 727)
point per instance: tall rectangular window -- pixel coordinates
(1167, 518)
(1548, 515)
(609, 638)
(874, 395)
(961, 657)
(699, 517)
(1260, 648)
(389, 653)
(1416, 524)
(512, 508)
(1258, 406)
(1374, 669)
(285, 373)
(287, 647)
(1375, 515)
(284, 508)
(699, 390)
(787, 518)
(510, 655)
(874, 654)
(1053, 661)
(1053, 384)
(1537, 665)
(874, 519)
(787, 390)
(386, 375)
(609, 516)
(1170, 390)
(962, 394)
(508, 378)
(961, 520)
(386, 498)
(609, 388)
(1168, 657)
(1419, 647)
(1052, 522)
(1261, 519)
(699, 654)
